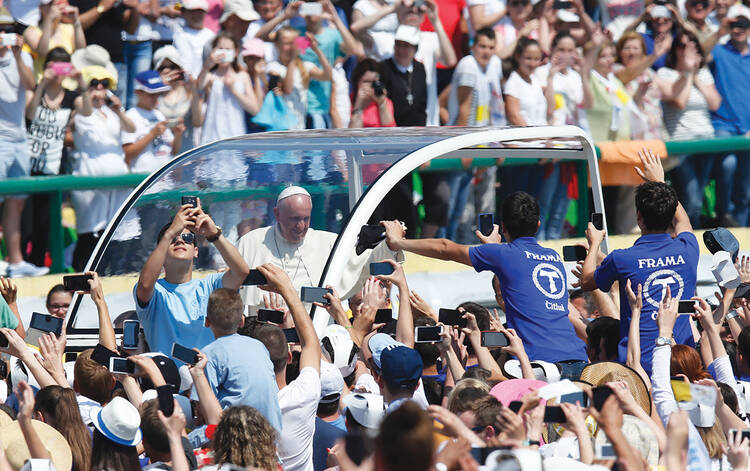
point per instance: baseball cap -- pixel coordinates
(150, 81)
(738, 10)
(170, 53)
(195, 5)
(407, 34)
(168, 370)
(243, 9)
(331, 382)
(660, 11)
(366, 408)
(378, 343)
(401, 366)
(253, 47)
(339, 348)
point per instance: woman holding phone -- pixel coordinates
(60, 27)
(294, 73)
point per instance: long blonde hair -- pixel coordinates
(714, 439)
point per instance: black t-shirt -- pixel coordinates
(107, 30)
(402, 86)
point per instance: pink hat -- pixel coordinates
(514, 389)
(195, 5)
(253, 47)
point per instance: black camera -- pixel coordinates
(377, 87)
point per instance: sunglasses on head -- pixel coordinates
(187, 237)
(96, 82)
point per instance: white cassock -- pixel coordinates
(304, 261)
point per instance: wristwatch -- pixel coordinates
(100, 9)
(662, 341)
(440, 466)
(216, 236)
(732, 314)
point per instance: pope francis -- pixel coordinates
(302, 251)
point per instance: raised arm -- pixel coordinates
(447, 53)
(207, 400)
(278, 282)
(654, 172)
(662, 44)
(238, 269)
(26, 402)
(106, 329)
(634, 334)
(485, 358)
(153, 266)
(325, 71)
(479, 20)
(9, 291)
(350, 45)
(405, 322)
(266, 32)
(442, 249)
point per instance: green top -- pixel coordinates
(600, 113)
(7, 318)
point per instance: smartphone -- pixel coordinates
(427, 333)
(357, 446)
(515, 406)
(77, 282)
(562, 5)
(191, 200)
(270, 315)
(686, 307)
(302, 43)
(605, 451)
(313, 294)
(103, 355)
(71, 356)
(291, 335)
(554, 414)
(130, 330)
(172, 123)
(184, 354)
(273, 81)
(381, 268)
(254, 278)
(166, 401)
(46, 323)
(310, 9)
(384, 316)
(575, 397)
(733, 432)
(451, 317)
(8, 39)
(3, 341)
(600, 395)
(494, 339)
(480, 454)
(573, 253)
(485, 224)
(121, 365)
(597, 219)
(61, 69)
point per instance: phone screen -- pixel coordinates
(254, 278)
(130, 334)
(102, 354)
(381, 268)
(428, 333)
(573, 253)
(46, 323)
(184, 354)
(576, 397)
(191, 200)
(166, 401)
(312, 294)
(485, 224)
(291, 335)
(600, 395)
(554, 414)
(686, 307)
(3, 340)
(515, 406)
(451, 317)
(383, 316)
(77, 282)
(597, 219)
(494, 339)
(121, 365)
(270, 315)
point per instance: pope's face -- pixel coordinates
(293, 216)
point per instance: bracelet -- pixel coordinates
(531, 443)
(732, 314)
(215, 237)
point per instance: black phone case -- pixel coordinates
(270, 315)
(77, 282)
(166, 401)
(254, 278)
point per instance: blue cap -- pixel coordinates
(401, 366)
(378, 343)
(150, 81)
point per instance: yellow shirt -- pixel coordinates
(64, 37)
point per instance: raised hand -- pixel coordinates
(652, 171)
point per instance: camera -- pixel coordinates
(377, 87)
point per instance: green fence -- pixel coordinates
(56, 185)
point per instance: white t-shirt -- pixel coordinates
(531, 97)
(190, 43)
(159, 151)
(694, 121)
(568, 95)
(296, 101)
(490, 8)
(298, 401)
(484, 84)
(428, 53)
(382, 32)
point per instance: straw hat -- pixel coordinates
(605, 371)
(18, 453)
(97, 59)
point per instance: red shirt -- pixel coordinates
(451, 14)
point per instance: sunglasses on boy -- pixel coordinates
(187, 237)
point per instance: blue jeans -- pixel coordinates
(732, 192)
(122, 81)
(553, 205)
(137, 56)
(691, 177)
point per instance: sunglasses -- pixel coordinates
(518, 4)
(187, 237)
(702, 3)
(741, 24)
(94, 83)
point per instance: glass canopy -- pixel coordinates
(238, 180)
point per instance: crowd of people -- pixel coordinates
(616, 374)
(117, 86)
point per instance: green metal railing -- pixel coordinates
(56, 185)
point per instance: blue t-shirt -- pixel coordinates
(655, 261)
(730, 70)
(325, 437)
(660, 62)
(532, 279)
(319, 93)
(240, 372)
(177, 313)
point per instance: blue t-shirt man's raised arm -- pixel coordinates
(534, 287)
(656, 262)
(176, 313)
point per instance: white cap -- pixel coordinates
(543, 371)
(338, 348)
(331, 382)
(243, 9)
(567, 16)
(737, 10)
(724, 271)
(168, 52)
(195, 5)
(407, 34)
(660, 11)
(367, 409)
(291, 191)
